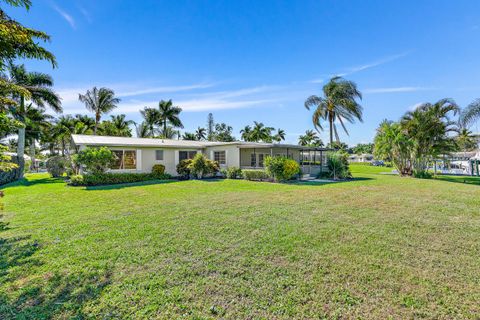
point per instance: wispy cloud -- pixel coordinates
(397, 89)
(65, 15)
(85, 13)
(362, 67)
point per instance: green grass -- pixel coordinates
(378, 247)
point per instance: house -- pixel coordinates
(140, 154)
(365, 157)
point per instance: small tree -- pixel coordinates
(337, 163)
(56, 166)
(201, 166)
(95, 160)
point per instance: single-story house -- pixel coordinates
(140, 154)
(365, 157)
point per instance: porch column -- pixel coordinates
(255, 157)
(476, 162)
(271, 152)
(314, 153)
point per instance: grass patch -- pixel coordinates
(377, 247)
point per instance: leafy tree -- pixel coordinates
(38, 86)
(7, 125)
(37, 122)
(99, 101)
(281, 168)
(189, 136)
(223, 133)
(246, 133)
(200, 134)
(117, 127)
(362, 148)
(18, 42)
(95, 160)
(337, 104)
(310, 139)
(200, 166)
(337, 163)
(466, 141)
(338, 146)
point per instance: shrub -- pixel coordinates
(253, 174)
(95, 160)
(114, 178)
(183, 169)
(281, 168)
(337, 163)
(56, 166)
(158, 169)
(233, 173)
(76, 180)
(201, 166)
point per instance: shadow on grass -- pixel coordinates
(128, 185)
(459, 179)
(31, 182)
(322, 183)
(27, 295)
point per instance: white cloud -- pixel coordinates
(86, 14)
(363, 67)
(396, 89)
(65, 16)
(415, 106)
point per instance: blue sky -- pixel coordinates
(260, 60)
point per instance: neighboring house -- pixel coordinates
(140, 154)
(366, 157)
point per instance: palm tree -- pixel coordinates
(121, 126)
(189, 136)
(168, 114)
(99, 101)
(143, 130)
(310, 139)
(466, 141)
(337, 104)
(86, 121)
(201, 133)
(38, 85)
(261, 133)
(169, 133)
(470, 114)
(36, 123)
(279, 136)
(150, 116)
(63, 130)
(246, 133)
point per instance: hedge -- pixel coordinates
(114, 178)
(255, 175)
(12, 175)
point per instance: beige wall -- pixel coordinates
(232, 155)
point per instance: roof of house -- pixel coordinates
(90, 140)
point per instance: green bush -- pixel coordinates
(281, 168)
(56, 166)
(201, 166)
(158, 169)
(76, 180)
(337, 163)
(115, 178)
(253, 174)
(233, 173)
(95, 160)
(183, 168)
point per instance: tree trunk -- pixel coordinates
(21, 151)
(330, 120)
(32, 154)
(97, 120)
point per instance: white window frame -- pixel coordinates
(122, 163)
(163, 155)
(225, 157)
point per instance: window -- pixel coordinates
(159, 155)
(184, 155)
(220, 157)
(261, 156)
(253, 160)
(124, 159)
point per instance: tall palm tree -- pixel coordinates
(337, 104)
(36, 123)
(168, 115)
(99, 101)
(150, 116)
(246, 133)
(466, 141)
(261, 133)
(169, 133)
(122, 126)
(470, 114)
(279, 136)
(201, 133)
(38, 85)
(86, 121)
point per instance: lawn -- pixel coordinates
(381, 246)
